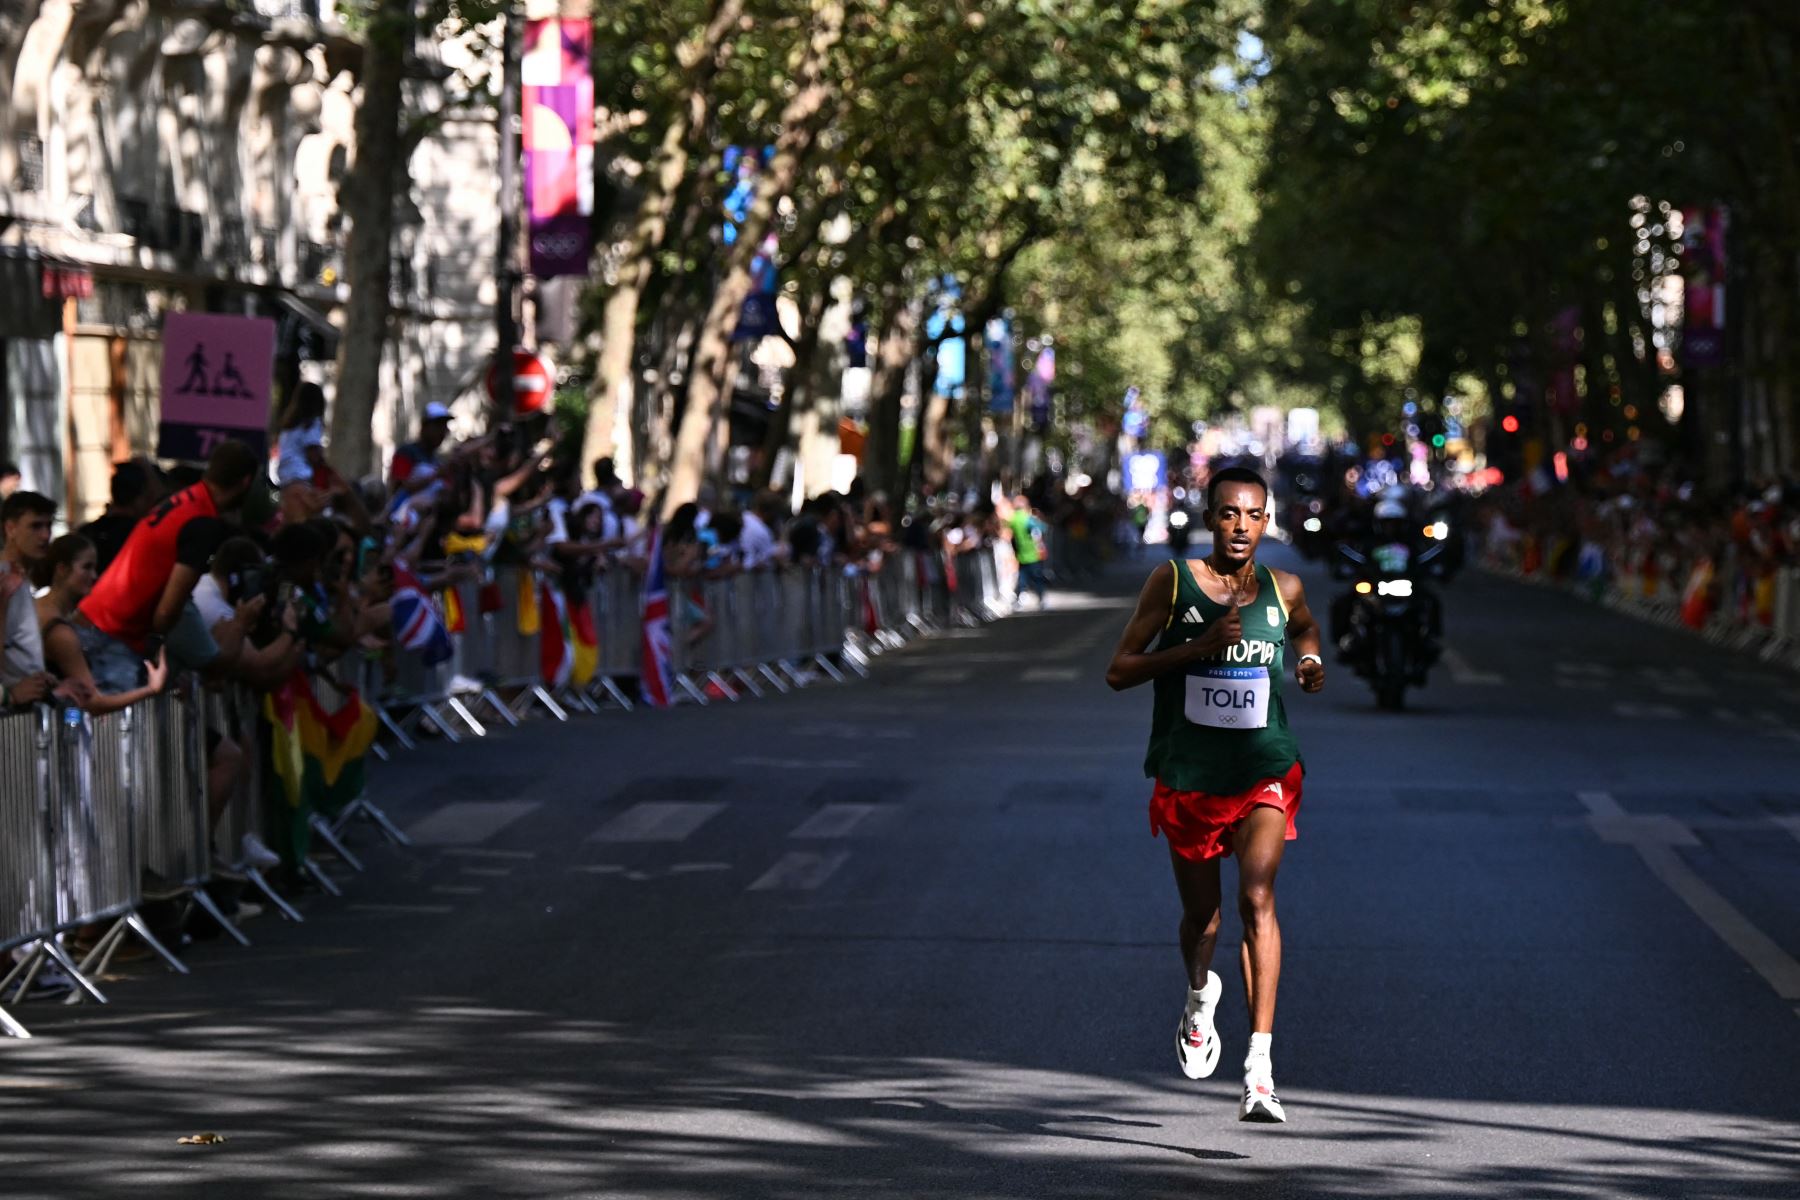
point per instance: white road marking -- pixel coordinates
(1646, 712)
(1583, 683)
(469, 821)
(797, 764)
(943, 675)
(657, 822)
(480, 852)
(1791, 824)
(444, 889)
(799, 871)
(1584, 668)
(408, 909)
(1653, 839)
(1462, 673)
(834, 821)
(1050, 675)
(488, 872)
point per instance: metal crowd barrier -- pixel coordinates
(766, 629)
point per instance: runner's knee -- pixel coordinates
(1256, 900)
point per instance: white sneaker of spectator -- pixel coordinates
(257, 855)
(462, 684)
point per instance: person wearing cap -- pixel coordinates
(403, 473)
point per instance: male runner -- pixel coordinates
(1212, 635)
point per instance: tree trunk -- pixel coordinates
(894, 354)
(610, 395)
(367, 200)
(801, 393)
(708, 382)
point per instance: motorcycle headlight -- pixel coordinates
(1364, 587)
(1397, 588)
(1313, 524)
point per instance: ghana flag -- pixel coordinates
(317, 747)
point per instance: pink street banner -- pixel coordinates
(216, 376)
(1703, 234)
(559, 144)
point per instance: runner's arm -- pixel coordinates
(1133, 662)
(1302, 632)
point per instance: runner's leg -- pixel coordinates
(1259, 841)
(1198, 883)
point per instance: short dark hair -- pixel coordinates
(130, 480)
(1233, 475)
(8, 469)
(23, 504)
(231, 464)
(237, 554)
(297, 544)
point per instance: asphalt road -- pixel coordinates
(910, 937)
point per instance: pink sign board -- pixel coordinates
(216, 375)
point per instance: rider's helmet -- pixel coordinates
(1391, 522)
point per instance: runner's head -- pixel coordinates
(1237, 514)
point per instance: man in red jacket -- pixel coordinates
(140, 597)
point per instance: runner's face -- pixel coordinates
(1238, 519)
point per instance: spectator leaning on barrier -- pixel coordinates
(67, 575)
(137, 487)
(25, 518)
(10, 479)
(141, 598)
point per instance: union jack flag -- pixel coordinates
(658, 686)
(417, 625)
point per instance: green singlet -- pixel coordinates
(1220, 727)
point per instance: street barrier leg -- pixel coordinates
(380, 751)
(718, 681)
(369, 811)
(746, 682)
(268, 892)
(613, 690)
(825, 664)
(774, 679)
(12, 1028)
(694, 693)
(129, 923)
(468, 718)
(311, 866)
(211, 908)
(328, 834)
(494, 704)
(429, 713)
(52, 949)
(394, 727)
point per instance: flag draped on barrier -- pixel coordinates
(584, 641)
(658, 686)
(555, 653)
(417, 625)
(318, 751)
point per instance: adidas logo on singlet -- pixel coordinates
(1192, 616)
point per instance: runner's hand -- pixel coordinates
(1221, 635)
(1311, 676)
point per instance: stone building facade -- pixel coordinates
(167, 155)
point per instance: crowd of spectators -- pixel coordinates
(1652, 534)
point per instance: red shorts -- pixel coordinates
(1199, 826)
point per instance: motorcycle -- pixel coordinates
(1181, 532)
(1305, 523)
(1388, 639)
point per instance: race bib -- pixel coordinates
(1229, 697)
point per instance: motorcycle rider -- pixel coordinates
(1392, 545)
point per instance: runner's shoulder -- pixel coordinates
(1288, 584)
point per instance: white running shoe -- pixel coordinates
(1260, 1101)
(258, 855)
(1196, 1038)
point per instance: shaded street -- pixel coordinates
(911, 937)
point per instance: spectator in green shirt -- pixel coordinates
(1028, 531)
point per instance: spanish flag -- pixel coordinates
(317, 747)
(453, 611)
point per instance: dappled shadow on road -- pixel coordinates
(440, 1097)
